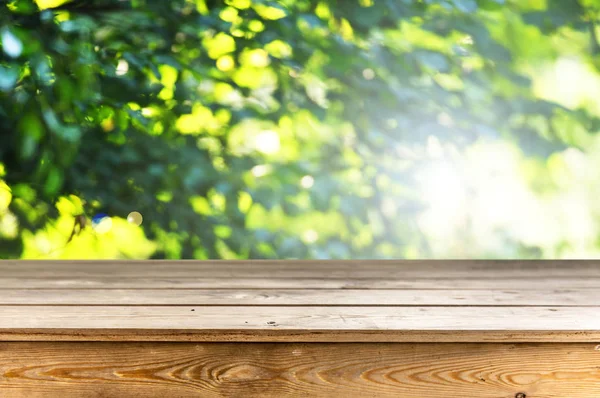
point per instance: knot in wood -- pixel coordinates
(521, 395)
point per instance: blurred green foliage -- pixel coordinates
(264, 128)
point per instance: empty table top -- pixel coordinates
(300, 301)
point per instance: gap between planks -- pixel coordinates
(302, 305)
(299, 336)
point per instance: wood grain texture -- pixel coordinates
(359, 323)
(362, 274)
(301, 318)
(146, 282)
(301, 297)
(300, 329)
(35, 370)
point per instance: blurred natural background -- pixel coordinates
(300, 129)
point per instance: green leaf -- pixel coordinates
(491, 5)
(22, 6)
(53, 181)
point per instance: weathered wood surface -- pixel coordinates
(231, 282)
(33, 370)
(357, 323)
(399, 301)
(364, 274)
(524, 329)
(301, 297)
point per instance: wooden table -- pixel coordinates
(300, 328)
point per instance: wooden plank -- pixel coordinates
(302, 318)
(35, 370)
(144, 282)
(304, 323)
(495, 275)
(436, 269)
(301, 297)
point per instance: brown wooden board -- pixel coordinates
(33, 370)
(300, 328)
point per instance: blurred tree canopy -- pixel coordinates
(265, 128)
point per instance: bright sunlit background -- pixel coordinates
(488, 198)
(297, 129)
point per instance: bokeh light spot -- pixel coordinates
(225, 63)
(258, 58)
(135, 218)
(261, 170)
(122, 67)
(268, 142)
(310, 236)
(307, 181)
(368, 74)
